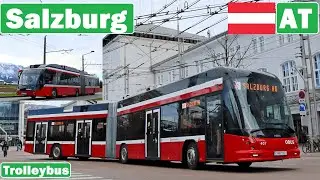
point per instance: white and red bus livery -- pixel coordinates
(54, 80)
(223, 115)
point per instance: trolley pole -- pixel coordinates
(307, 89)
(314, 97)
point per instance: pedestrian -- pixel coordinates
(5, 148)
(19, 144)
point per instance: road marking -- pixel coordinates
(80, 175)
(86, 177)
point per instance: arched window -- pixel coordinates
(317, 69)
(289, 76)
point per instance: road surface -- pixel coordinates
(89, 97)
(306, 168)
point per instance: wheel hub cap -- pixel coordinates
(123, 154)
(56, 152)
(191, 156)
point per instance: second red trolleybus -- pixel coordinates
(54, 80)
(223, 115)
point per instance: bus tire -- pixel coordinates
(123, 154)
(244, 164)
(192, 156)
(54, 93)
(56, 152)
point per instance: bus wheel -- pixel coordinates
(244, 164)
(124, 154)
(54, 93)
(192, 156)
(56, 152)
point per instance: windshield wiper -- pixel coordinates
(285, 125)
(261, 129)
(273, 128)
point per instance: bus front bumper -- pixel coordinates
(265, 155)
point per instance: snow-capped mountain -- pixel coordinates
(9, 72)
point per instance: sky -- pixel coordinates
(26, 50)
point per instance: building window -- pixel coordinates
(201, 67)
(173, 75)
(186, 71)
(263, 69)
(238, 50)
(261, 39)
(170, 77)
(281, 40)
(255, 45)
(290, 37)
(231, 52)
(317, 69)
(161, 78)
(289, 74)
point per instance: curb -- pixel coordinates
(12, 96)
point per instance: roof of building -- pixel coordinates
(158, 32)
(191, 48)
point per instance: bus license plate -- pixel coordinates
(23, 93)
(280, 153)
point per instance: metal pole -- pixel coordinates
(44, 49)
(82, 78)
(315, 110)
(126, 71)
(306, 85)
(5, 132)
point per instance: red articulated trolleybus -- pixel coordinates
(54, 80)
(223, 115)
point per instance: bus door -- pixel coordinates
(152, 134)
(214, 133)
(83, 138)
(40, 137)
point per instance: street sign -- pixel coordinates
(302, 94)
(302, 109)
(302, 101)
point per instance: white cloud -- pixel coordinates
(18, 60)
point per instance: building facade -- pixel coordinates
(127, 58)
(9, 119)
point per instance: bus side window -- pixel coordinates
(30, 131)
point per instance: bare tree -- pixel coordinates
(229, 58)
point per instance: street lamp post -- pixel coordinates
(82, 76)
(44, 49)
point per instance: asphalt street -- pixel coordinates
(89, 97)
(306, 168)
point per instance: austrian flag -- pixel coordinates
(251, 18)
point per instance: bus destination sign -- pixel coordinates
(256, 87)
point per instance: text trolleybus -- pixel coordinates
(223, 115)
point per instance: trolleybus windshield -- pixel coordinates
(265, 112)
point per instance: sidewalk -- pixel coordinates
(315, 154)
